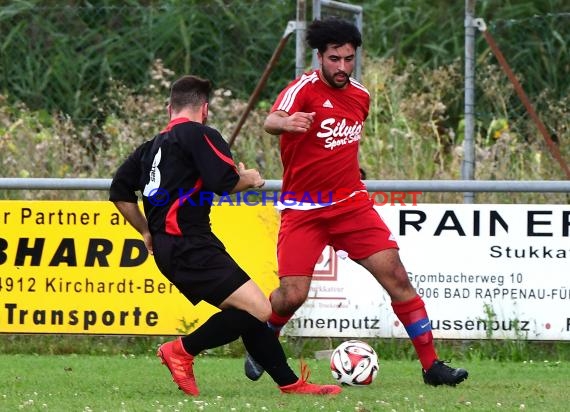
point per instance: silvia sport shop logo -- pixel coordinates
(339, 133)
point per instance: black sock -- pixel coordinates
(261, 343)
(229, 324)
(221, 328)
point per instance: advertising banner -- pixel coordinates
(78, 267)
(484, 271)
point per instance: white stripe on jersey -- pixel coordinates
(358, 85)
(290, 94)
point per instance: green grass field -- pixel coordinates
(141, 383)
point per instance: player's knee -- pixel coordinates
(296, 293)
(404, 285)
(398, 286)
(401, 278)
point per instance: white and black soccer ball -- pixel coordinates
(354, 363)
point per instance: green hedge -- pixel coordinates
(62, 56)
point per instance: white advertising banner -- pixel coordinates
(484, 271)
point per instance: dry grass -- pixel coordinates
(410, 133)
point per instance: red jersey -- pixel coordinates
(323, 162)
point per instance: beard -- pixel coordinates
(335, 81)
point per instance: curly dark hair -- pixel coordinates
(333, 30)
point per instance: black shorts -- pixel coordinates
(199, 267)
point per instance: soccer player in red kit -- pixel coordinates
(320, 119)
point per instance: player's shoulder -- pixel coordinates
(211, 132)
(143, 151)
(359, 87)
(209, 138)
(297, 91)
(305, 80)
(144, 147)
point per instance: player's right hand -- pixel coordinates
(298, 122)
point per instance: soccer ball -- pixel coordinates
(354, 363)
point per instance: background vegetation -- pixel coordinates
(517, 350)
(82, 83)
(64, 55)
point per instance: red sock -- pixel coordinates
(276, 322)
(413, 315)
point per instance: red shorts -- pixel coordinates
(353, 226)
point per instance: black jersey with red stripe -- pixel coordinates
(177, 172)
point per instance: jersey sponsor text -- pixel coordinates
(338, 133)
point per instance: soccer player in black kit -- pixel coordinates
(175, 171)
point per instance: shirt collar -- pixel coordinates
(175, 122)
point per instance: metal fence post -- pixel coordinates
(300, 38)
(468, 167)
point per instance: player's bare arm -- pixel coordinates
(134, 216)
(280, 121)
(248, 178)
